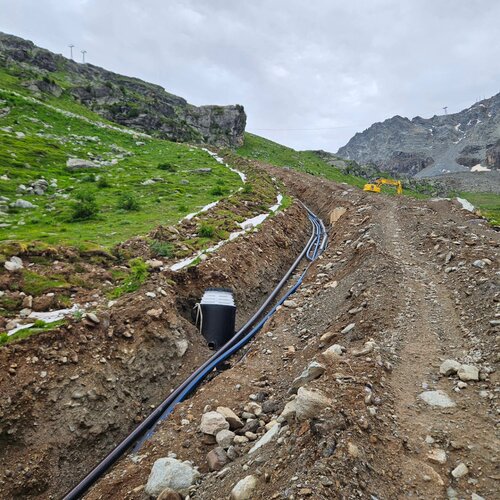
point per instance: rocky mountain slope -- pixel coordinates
(464, 141)
(128, 101)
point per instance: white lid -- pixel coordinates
(217, 297)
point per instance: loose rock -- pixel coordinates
(212, 422)
(468, 372)
(170, 473)
(437, 398)
(309, 403)
(244, 489)
(449, 367)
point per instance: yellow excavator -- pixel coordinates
(376, 185)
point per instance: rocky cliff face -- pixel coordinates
(427, 147)
(121, 99)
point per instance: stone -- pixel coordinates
(290, 304)
(225, 438)
(79, 163)
(232, 453)
(313, 371)
(367, 348)
(460, 470)
(155, 313)
(23, 204)
(170, 473)
(449, 367)
(326, 337)
(92, 317)
(154, 263)
(309, 403)
(467, 373)
(212, 422)
(437, 455)
(289, 411)
(475, 496)
(240, 439)
(13, 264)
(216, 459)
(266, 438)
(231, 417)
(169, 494)
(333, 353)
(436, 398)
(348, 328)
(479, 263)
(352, 450)
(244, 489)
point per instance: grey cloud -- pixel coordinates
(329, 67)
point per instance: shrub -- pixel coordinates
(247, 188)
(216, 191)
(85, 207)
(103, 182)
(206, 230)
(128, 202)
(162, 249)
(168, 167)
(89, 178)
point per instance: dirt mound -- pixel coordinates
(403, 286)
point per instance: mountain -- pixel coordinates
(458, 142)
(128, 101)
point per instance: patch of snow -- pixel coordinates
(204, 209)
(218, 159)
(466, 205)
(47, 317)
(457, 127)
(480, 168)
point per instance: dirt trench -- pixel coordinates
(69, 396)
(405, 274)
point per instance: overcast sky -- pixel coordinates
(309, 73)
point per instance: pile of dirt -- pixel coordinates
(403, 286)
(70, 395)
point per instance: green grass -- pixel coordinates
(135, 278)
(51, 138)
(487, 203)
(35, 284)
(38, 327)
(264, 150)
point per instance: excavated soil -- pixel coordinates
(418, 281)
(69, 396)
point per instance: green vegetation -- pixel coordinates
(124, 163)
(206, 230)
(264, 150)
(38, 327)
(136, 277)
(162, 249)
(487, 203)
(35, 284)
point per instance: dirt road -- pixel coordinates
(403, 286)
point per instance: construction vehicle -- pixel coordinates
(376, 185)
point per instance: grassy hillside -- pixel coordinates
(258, 148)
(488, 204)
(102, 205)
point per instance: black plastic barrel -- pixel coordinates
(217, 316)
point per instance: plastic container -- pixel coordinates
(217, 316)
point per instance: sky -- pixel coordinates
(310, 73)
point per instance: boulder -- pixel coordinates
(309, 403)
(79, 163)
(460, 470)
(13, 264)
(22, 204)
(225, 438)
(449, 367)
(311, 372)
(212, 422)
(245, 488)
(170, 473)
(436, 398)
(437, 455)
(216, 459)
(468, 372)
(231, 417)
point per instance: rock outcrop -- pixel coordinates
(459, 142)
(128, 101)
